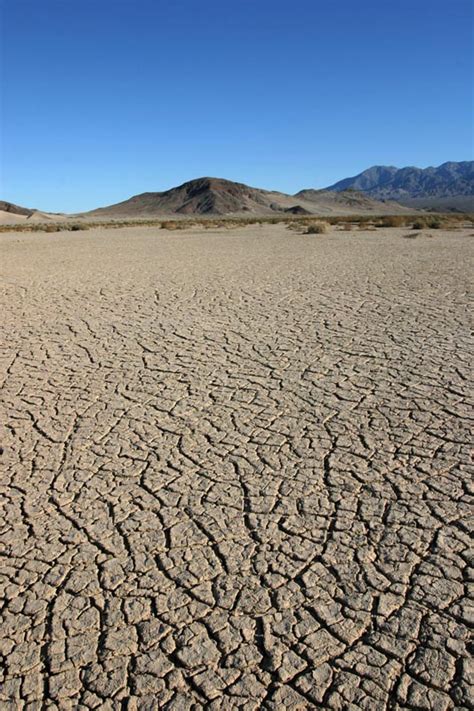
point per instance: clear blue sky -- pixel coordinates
(103, 99)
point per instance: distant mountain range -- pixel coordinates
(449, 186)
(378, 190)
(216, 196)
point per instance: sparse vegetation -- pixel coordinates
(393, 221)
(317, 228)
(295, 225)
(297, 222)
(177, 224)
(434, 223)
(55, 227)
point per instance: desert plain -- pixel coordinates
(236, 469)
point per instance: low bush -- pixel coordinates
(393, 221)
(78, 226)
(433, 223)
(176, 225)
(317, 228)
(294, 225)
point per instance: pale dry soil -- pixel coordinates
(235, 470)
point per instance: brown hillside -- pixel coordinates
(216, 196)
(15, 209)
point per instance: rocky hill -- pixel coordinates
(216, 196)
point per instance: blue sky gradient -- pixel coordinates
(103, 99)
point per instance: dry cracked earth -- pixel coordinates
(235, 470)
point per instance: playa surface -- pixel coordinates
(235, 470)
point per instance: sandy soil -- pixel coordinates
(10, 218)
(235, 470)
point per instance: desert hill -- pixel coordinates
(11, 214)
(15, 209)
(216, 196)
(203, 196)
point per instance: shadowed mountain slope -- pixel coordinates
(430, 187)
(15, 209)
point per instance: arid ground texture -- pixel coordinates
(235, 470)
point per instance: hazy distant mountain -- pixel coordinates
(456, 203)
(352, 200)
(425, 185)
(216, 196)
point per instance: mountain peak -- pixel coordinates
(448, 180)
(218, 196)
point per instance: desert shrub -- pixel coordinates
(78, 226)
(448, 225)
(393, 221)
(363, 220)
(225, 224)
(317, 228)
(52, 228)
(433, 223)
(175, 225)
(346, 227)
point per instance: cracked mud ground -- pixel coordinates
(235, 470)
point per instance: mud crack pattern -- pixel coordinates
(235, 471)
